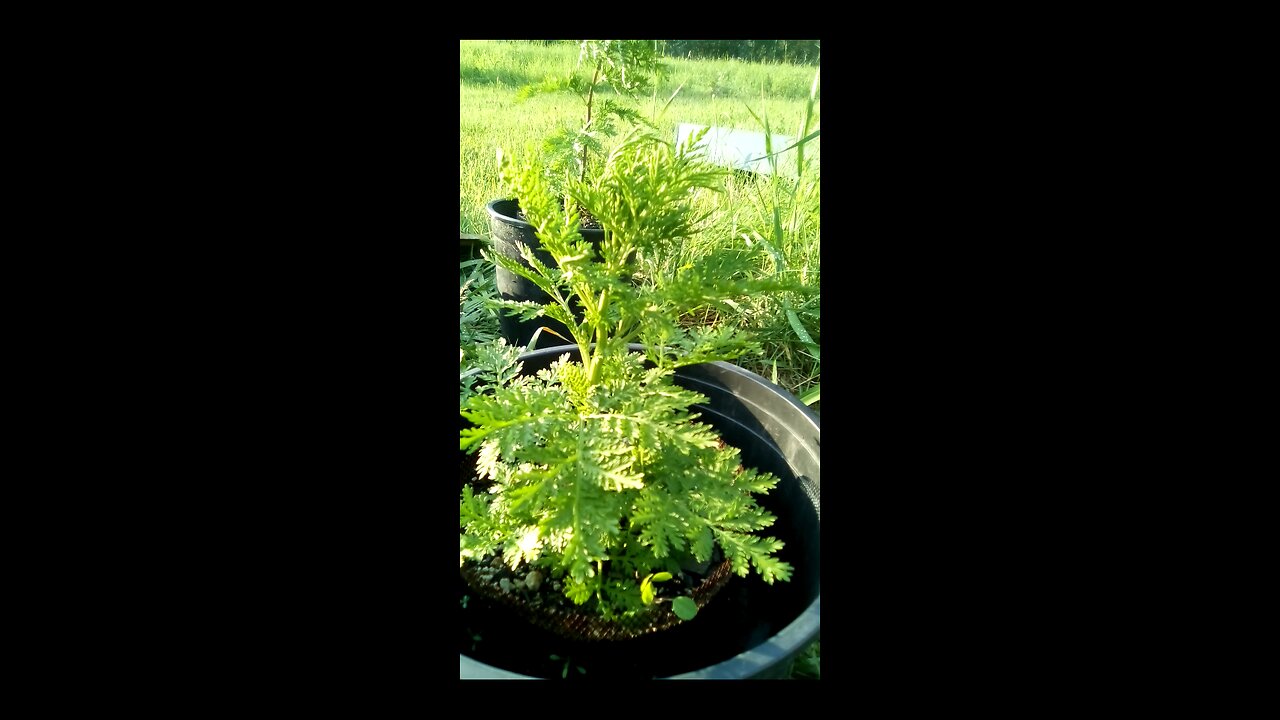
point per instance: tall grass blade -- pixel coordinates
(804, 124)
(663, 111)
(796, 144)
(812, 395)
(799, 328)
(779, 264)
(778, 238)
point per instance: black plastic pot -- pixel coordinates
(469, 246)
(751, 630)
(505, 231)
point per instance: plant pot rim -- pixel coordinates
(775, 389)
(491, 208)
(802, 630)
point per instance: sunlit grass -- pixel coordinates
(714, 92)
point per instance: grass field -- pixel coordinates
(714, 92)
(777, 220)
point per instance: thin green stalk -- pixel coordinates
(591, 93)
(600, 335)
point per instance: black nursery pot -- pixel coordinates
(505, 231)
(750, 630)
(469, 246)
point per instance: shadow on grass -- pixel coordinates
(509, 77)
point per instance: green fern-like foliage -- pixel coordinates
(490, 363)
(604, 484)
(629, 68)
(598, 470)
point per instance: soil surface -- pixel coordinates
(744, 614)
(540, 597)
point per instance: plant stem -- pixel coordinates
(591, 93)
(594, 377)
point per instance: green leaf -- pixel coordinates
(813, 395)
(543, 282)
(646, 591)
(684, 608)
(799, 328)
(702, 544)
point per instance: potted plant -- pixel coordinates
(629, 68)
(608, 511)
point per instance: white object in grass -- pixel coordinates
(742, 149)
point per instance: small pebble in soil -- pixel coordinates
(505, 584)
(533, 580)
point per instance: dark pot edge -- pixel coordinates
(495, 214)
(777, 650)
(469, 244)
